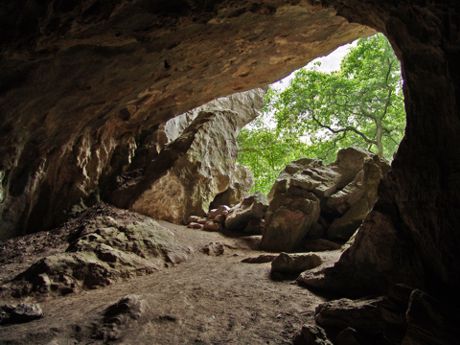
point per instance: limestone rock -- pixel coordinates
(378, 249)
(106, 245)
(203, 167)
(430, 321)
(310, 199)
(261, 259)
(19, 313)
(377, 321)
(356, 199)
(342, 313)
(213, 249)
(290, 215)
(311, 335)
(119, 316)
(138, 64)
(292, 264)
(247, 216)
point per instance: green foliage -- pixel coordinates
(318, 113)
(265, 153)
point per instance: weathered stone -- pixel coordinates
(291, 264)
(261, 259)
(379, 257)
(311, 335)
(212, 226)
(219, 214)
(247, 216)
(194, 225)
(196, 174)
(132, 77)
(356, 199)
(106, 246)
(360, 314)
(339, 196)
(19, 313)
(118, 317)
(213, 249)
(430, 321)
(376, 321)
(348, 336)
(289, 217)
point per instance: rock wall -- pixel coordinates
(412, 234)
(83, 81)
(310, 200)
(85, 84)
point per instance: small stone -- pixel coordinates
(19, 313)
(320, 245)
(294, 263)
(213, 249)
(212, 226)
(194, 225)
(311, 335)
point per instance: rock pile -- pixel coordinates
(246, 217)
(312, 201)
(312, 207)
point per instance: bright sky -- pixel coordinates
(329, 63)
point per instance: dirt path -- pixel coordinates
(206, 300)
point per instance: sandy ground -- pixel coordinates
(206, 300)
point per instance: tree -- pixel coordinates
(359, 105)
(265, 153)
(319, 113)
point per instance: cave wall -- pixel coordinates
(413, 233)
(83, 84)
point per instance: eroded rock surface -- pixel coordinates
(19, 313)
(248, 215)
(106, 245)
(198, 164)
(310, 200)
(118, 317)
(85, 85)
(293, 264)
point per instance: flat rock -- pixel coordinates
(264, 258)
(290, 264)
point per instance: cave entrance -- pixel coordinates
(346, 110)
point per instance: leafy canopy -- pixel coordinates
(318, 113)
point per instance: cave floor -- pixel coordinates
(206, 300)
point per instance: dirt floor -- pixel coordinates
(206, 300)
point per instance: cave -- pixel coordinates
(86, 86)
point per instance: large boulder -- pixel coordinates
(248, 215)
(197, 164)
(310, 200)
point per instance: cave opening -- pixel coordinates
(83, 84)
